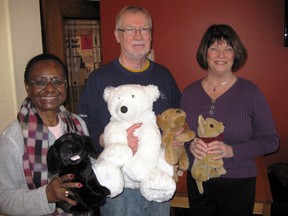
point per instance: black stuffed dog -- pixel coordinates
(70, 155)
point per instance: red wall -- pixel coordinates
(179, 26)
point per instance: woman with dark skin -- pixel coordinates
(25, 188)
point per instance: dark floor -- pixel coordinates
(185, 212)
(179, 212)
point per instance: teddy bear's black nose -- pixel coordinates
(124, 109)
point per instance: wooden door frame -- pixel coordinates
(53, 13)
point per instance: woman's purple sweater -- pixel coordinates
(249, 125)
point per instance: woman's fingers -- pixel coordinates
(58, 189)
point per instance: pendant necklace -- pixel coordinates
(213, 101)
(221, 84)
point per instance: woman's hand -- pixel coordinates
(198, 148)
(174, 142)
(101, 140)
(133, 140)
(58, 189)
(221, 149)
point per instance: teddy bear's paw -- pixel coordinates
(128, 183)
(200, 187)
(200, 171)
(171, 155)
(158, 187)
(109, 176)
(213, 163)
(201, 176)
(183, 160)
(117, 154)
(221, 170)
(186, 136)
(136, 169)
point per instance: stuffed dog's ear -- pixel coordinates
(53, 158)
(89, 147)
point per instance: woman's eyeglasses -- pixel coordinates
(42, 82)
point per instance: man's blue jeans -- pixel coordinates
(131, 203)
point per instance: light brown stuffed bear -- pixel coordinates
(208, 130)
(170, 122)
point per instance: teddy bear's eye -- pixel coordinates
(211, 126)
(133, 96)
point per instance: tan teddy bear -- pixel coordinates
(170, 122)
(208, 130)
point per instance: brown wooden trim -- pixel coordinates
(53, 13)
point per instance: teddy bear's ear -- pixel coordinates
(159, 120)
(200, 129)
(107, 92)
(153, 92)
(162, 124)
(158, 116)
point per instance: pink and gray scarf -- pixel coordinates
(36, 144)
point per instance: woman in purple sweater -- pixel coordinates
(249, 126)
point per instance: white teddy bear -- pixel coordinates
(147, 169)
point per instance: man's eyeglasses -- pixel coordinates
(42, 82)
(131, 31)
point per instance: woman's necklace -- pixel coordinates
(221, 84)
